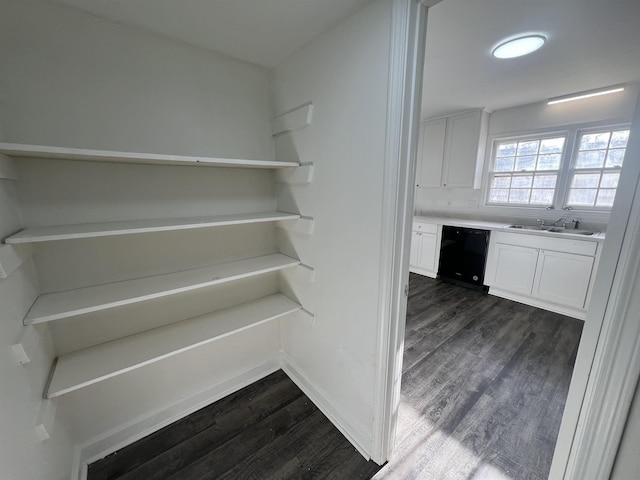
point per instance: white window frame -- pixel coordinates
(525, 136)
(572, 170)
(572, 133)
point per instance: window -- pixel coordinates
(596, 169)
(525, 171)
(577, 169)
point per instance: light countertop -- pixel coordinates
(459, 222)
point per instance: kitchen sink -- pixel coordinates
(529, 227)
(569, 231)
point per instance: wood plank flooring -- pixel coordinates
(269, 429)
(484, 386)
(483, 390)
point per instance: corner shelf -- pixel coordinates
(89, 230)
(64, 153)
(70, 303)
(85, 367)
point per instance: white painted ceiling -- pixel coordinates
(263, 32)
(591, 43)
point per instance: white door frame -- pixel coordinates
(607, 365)
(406, 61)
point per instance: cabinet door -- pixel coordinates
(461, 150)
(427, 256)
(513, 268)
(563, 278)
(416, 246)
(432, 136)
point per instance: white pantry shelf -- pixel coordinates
(70, 303)
(129, 227)
(90, 365)
(43, 151)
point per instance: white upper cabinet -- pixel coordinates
(431, 153)
(452, 151)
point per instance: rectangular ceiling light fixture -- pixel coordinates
(587, 94)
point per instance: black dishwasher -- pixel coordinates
(463, 253)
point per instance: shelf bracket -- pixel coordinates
(308, 272)
(301, 175)
(302, 225)
(45, 419)
(7, 168)
(12, 256)
(306, 318)
(294, 119)
(27, 343)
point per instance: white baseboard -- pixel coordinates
(568, 311)
(423, 271)
(141, 426)
(360, 439)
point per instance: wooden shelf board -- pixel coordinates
(55, 306)
(130, 227)
(43, 151)
(85, 367)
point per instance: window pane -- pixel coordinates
(615, 158)
(504, 164)
(542, 196)
(552, 145)
(544, 181)
(583, 180)
(619, 139)
(499, 195)
(582, 197)
(549, 162)
(513, 179)
(501, 182)
(520, 195)
(592, 159)
(528, 148)
(521, 182)
(609, 180)
(595, 141)
(605, 198)
(525, 163)
(506, 149)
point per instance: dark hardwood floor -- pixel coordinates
(267, 430)
(484, 386)
(483, 390)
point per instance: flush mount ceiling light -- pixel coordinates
(517, 47)
(587, 94)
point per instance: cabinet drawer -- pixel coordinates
(425, 227)
(547, 242)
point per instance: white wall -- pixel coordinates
(22, 455)
(459, 202)
(70, 79)
(73, 80)
(345, 74)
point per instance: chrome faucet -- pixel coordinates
(562, 221)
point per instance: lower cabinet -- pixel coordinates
(563, 278)
(425, 249)
(551, 273)
(511, 267)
